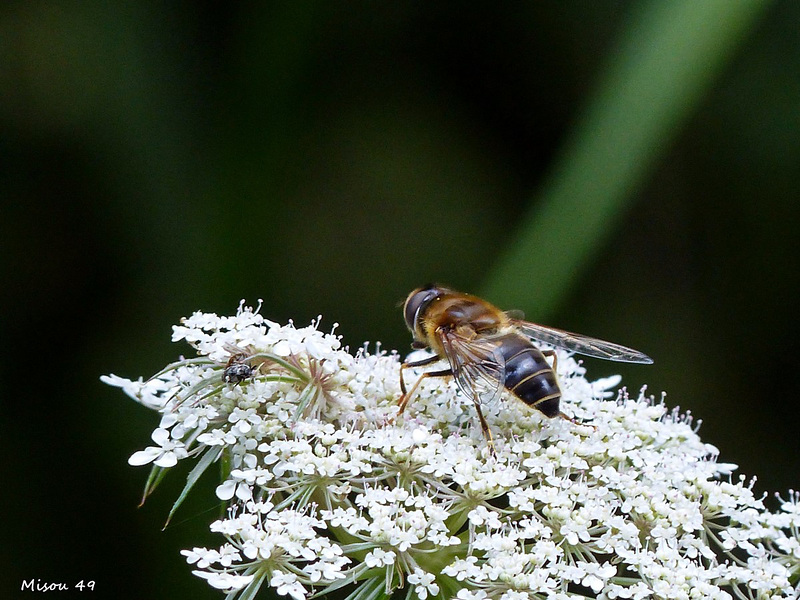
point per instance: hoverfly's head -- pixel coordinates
(415, 306)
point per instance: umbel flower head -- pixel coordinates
(327, 492)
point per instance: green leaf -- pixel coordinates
(371, 589)
(373, 585)
(208, 457)
(306, 396)
(250, 591)
(302, 375)
(153, 479)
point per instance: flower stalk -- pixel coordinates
(327, 492)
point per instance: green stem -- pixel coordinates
(667, 58)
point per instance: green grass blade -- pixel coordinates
(249, 592)
(664, 63)
(210, 455)
(155, 477)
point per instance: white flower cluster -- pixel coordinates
(328, 490)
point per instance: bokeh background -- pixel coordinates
(628, 170)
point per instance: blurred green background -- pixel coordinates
(628, 170)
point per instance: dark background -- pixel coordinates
(157, 159)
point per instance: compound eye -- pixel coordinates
(415, 303)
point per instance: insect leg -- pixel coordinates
(403, 401)
(487, 432)
(574, 421)
(415, 363)
(552, 354)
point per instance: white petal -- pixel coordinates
(142, 457)
(243, 492)
(167, 460)
(226, 489)
(160, 436)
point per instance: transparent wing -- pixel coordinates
(477, 364)
(582, 344)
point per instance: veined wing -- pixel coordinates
(477, 364)
(582, 344)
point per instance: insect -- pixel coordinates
(488, 350)
(237, 368)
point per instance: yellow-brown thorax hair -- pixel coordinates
(430, 308)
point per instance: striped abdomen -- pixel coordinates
(528, 374)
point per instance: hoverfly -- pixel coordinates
(488, 351)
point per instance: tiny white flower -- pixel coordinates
(286, 584)
(379, 558)
(463, 569)
(166, 454)
(225, 581)
(465, 594)
(424, 583)
(232, 487)
(202, 557)
(481, 515)
(323, 571)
